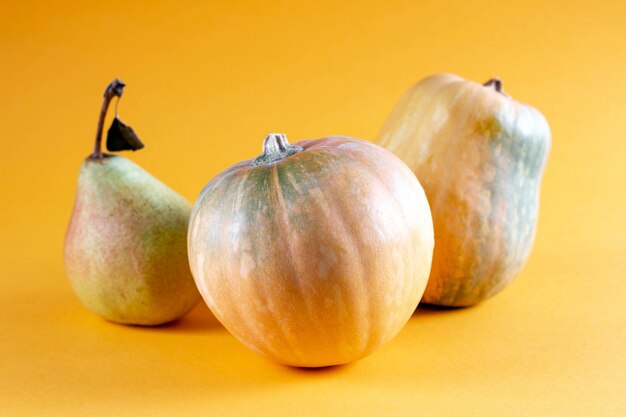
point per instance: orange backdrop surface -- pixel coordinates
(206, 82)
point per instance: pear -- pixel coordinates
(126, 244)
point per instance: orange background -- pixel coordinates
(206, 82)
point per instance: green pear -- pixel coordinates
(126, 245)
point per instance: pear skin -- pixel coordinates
(125, 248)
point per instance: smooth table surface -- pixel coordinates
(205, 82)
(558, 351)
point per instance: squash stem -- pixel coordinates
(496, 83)
(275, 148)
(115, 89)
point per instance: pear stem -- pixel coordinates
(115, 89)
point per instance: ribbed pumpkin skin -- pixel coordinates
(480, 157)
(318, 258)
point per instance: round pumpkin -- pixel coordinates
(312, 254)
(480, 156)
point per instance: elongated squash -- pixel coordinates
(480, 156)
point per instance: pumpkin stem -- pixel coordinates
(496, 83)
(275, 148)
(115, 89)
